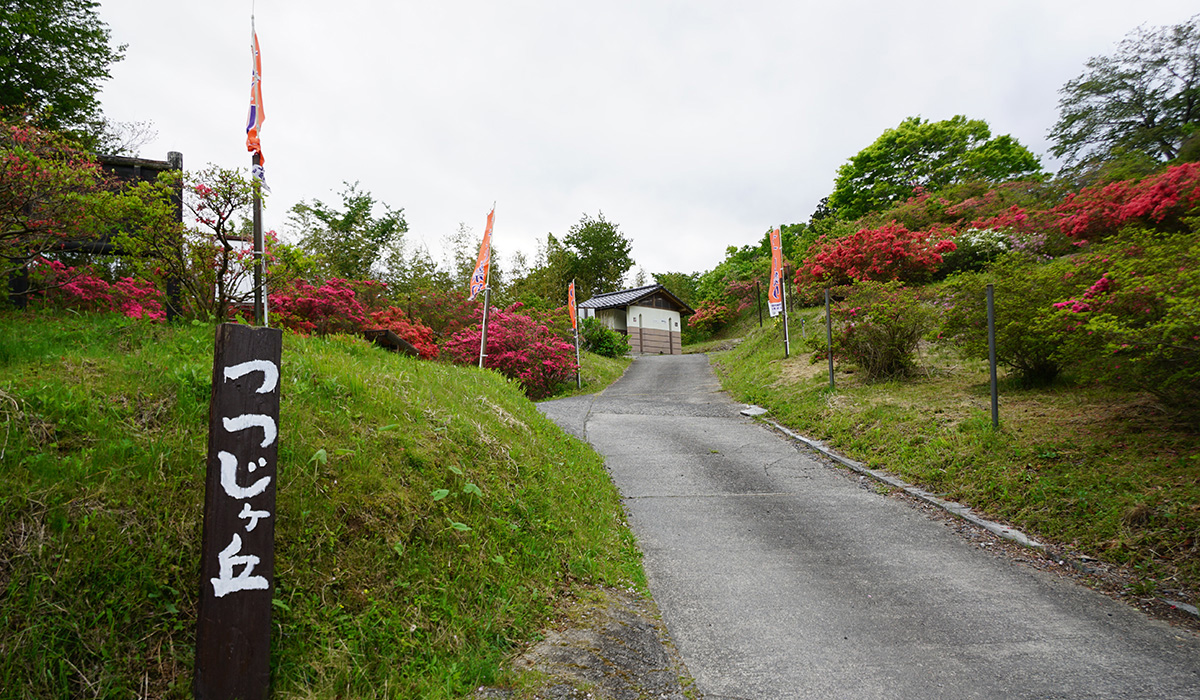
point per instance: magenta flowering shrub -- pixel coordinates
(742, 294)
(331, 308)
(520, 348)
(83, 289)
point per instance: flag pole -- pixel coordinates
(783, 294)
(257, 178)
(487, 295)
(260, 292)
(787, 338)
(487, 286)
(575, 319)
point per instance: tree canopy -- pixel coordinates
(53, 56)
(930, 155)
(1144, 100)
(599, 255)
(350, 242)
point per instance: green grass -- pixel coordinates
(596, 373)
(1106, 472)
(378, 593)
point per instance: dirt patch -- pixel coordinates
(800, 368)
(609, 644)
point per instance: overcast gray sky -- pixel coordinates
(692, 125)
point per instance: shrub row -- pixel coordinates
(1122, 313)
(525, 345)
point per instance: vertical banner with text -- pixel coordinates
(775, 290)
(233, 630)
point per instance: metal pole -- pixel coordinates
(260, 307)
(991, 319)
(787, 337)
(758, 298)
(487, 295)
(829, 338)
(578, 362)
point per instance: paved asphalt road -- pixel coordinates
(779, 578)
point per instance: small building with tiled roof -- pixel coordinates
(649, 316)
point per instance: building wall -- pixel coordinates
(611, 318)
(653, 331)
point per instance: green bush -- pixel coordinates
(879, 326)
(1029, 332)
(1137, 326)
(602, 340)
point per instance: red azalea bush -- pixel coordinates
(520, 348)
(710, 316)
(413, 331)
(83, 289)
(331, 308)
(1162, 200)
(887, 253)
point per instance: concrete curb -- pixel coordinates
(951, 507)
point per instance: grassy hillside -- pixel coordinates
(1105, 471)
(382, 590)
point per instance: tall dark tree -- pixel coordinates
(1142, 101)
(54, 54)
(351, 242)
(931, 155)
(601, 255)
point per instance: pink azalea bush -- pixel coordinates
(331, 308)
(83, 289)
(710, 316)
(520, 348)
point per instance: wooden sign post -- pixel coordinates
(237, 565)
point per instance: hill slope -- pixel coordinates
(426, 515)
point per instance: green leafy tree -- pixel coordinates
(54, 194)
(462, 254)
(1141, 102)
(350, 242)
(544, 285)
(684, 285)
(601, 255)
(928, 155)
(54, 54)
